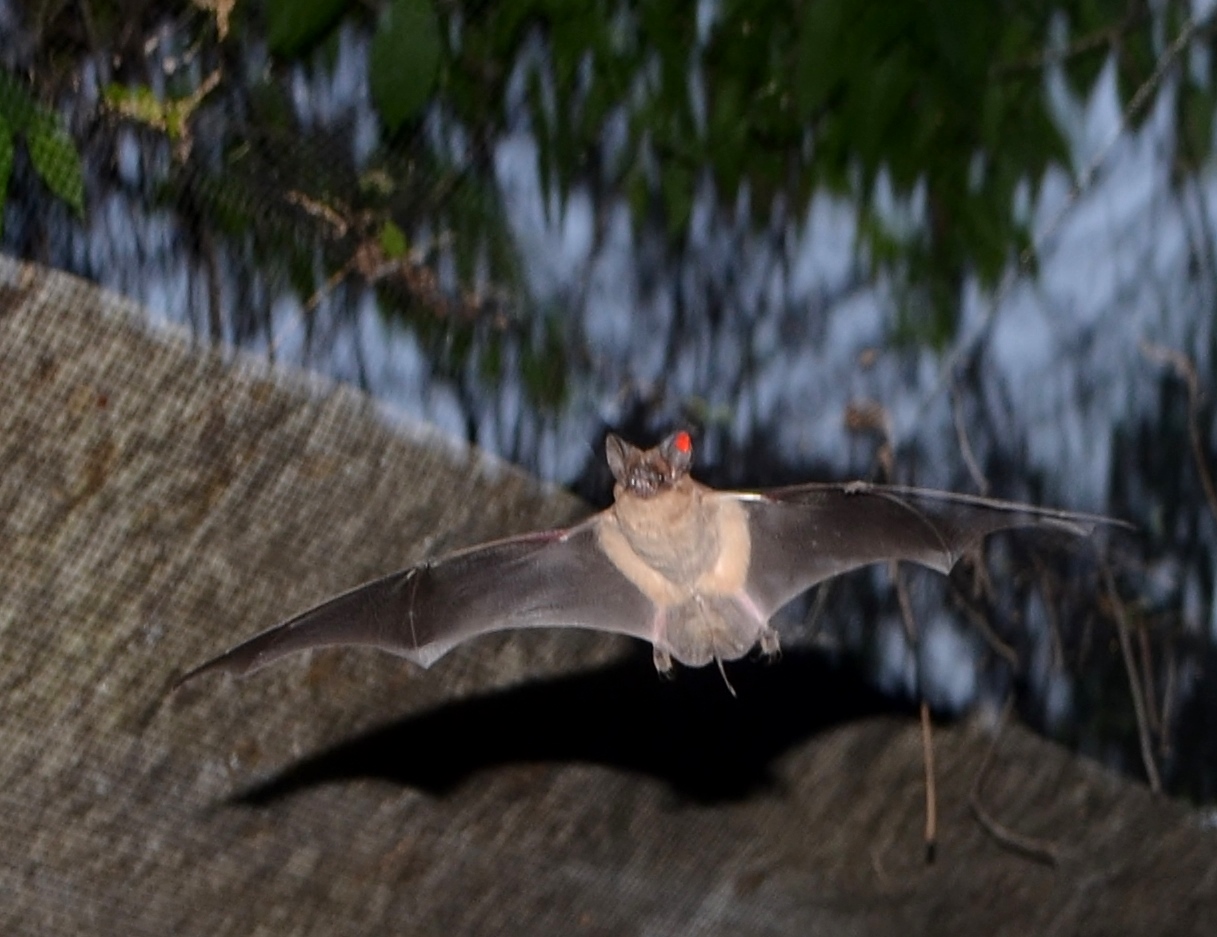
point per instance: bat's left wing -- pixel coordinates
(808, 533)
(548, 579)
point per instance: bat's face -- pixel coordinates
(645, 473)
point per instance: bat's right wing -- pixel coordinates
(808, 533)
(549, 579)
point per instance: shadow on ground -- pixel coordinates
(689, 732)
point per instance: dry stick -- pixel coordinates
(981, 624)
(965, 446)
(1186, 370)
(1168, 696)
(1145, 672)
(1106, 36)
(1037, 849)
(1183, 366)
(1048, 594)
(1087, 638)
(982, 582)
(1134, 681)
(927, 739)
(931, 788)
(979, 621)
(1151, 697)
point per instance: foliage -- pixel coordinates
(50, 148)
(943, 102)
(294, 26)
(930, 115)
(404, 60)
(932, 110)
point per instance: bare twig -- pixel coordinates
(981, 624)
(1086, 640)
(332, 283)
(1037, 849)
(1048, 594)
(1136, 104)
(319, 210)
(1084, 45)
(1151, 695)
(931, 788)
(927, 737)
(906, 605)
(1183, 367)
(1168, 700)
(965, 446)
(1134, 681)
(967, 344)
(982, 582)
(871, 417)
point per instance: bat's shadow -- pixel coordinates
(689, 731)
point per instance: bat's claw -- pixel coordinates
(771, 646)
(663, 662)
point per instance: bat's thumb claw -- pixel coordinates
(771, 647)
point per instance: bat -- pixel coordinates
(694, 571)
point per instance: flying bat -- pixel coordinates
(694, 571)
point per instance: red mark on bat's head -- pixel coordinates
(683, 442)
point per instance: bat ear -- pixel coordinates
(677, 451)
(618, 453)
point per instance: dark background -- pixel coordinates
(964, 247)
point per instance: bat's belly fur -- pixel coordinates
(708, 628)
(688, 552)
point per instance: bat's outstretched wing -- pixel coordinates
(808, 533)
(553, 578)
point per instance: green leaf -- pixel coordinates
(294, 26)
(6, 164)
(822, 56)
(638, 193)
(56, 161)
(543, 367)
(404, 60)
(1197, 123)
(544, 133)
(490, 360)
(393, 240)
(676, 188)
(16, 106)
(883, 99)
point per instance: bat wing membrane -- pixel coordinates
(808, 533)
(549, 579)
